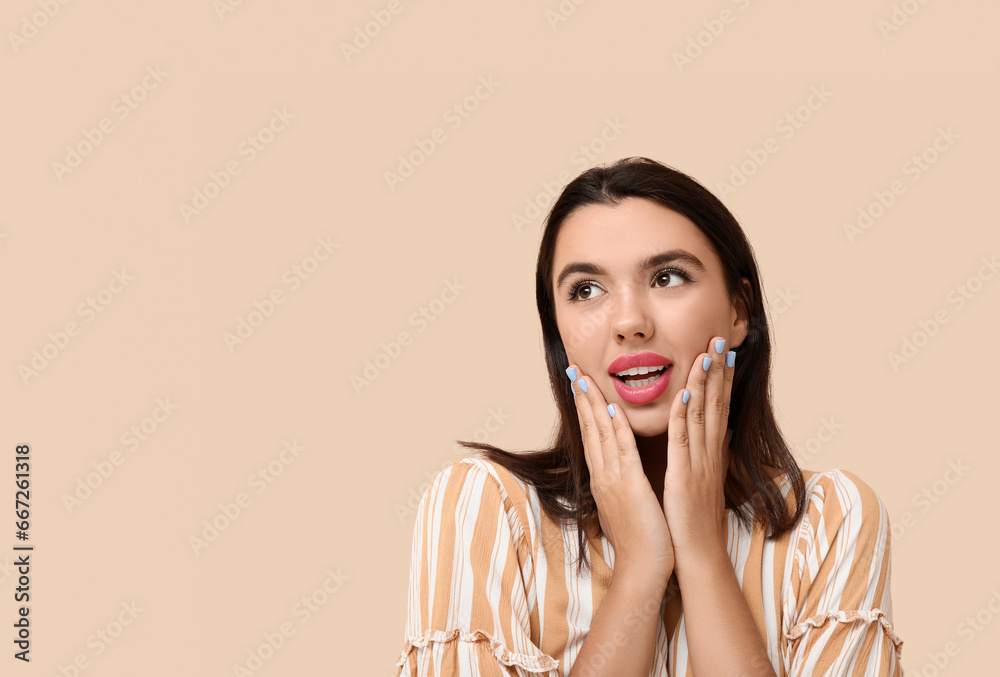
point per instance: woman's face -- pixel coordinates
(643, 278)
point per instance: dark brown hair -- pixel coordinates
(559, 473)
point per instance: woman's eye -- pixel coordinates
(586, 291)
(667, 274)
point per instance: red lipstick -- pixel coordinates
(645, 393)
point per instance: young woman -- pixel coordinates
(668, 530)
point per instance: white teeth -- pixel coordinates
(638, 370)
(644, 382)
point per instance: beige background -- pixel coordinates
(839, 305)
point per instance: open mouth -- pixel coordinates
(638, 377)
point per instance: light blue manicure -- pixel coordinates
(720, 345)
(686, 396)
(583, 385)
(611, 410)
(704, 365)
(730, 358)
(571, 372)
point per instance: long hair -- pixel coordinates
(559, 473)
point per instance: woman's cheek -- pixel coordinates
(583, 331)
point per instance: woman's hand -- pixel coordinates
(694, 500)
(629, 511)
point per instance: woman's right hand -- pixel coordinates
(630, 513)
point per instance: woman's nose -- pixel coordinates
(630, 317)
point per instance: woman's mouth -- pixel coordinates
(640, 376)
(639, 388)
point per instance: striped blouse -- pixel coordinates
(494, 591)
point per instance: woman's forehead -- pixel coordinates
(619, 235)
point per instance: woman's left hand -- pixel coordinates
(694, 500)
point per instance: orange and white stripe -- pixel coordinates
(494, 590)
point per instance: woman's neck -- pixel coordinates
(653, 452)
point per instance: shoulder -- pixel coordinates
(485, 472)
(841, 490)
(480, 483)
(838, 600)
(842, 507)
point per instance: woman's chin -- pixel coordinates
(647, 425)
(650, 414)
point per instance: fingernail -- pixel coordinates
(571, 372)
(707, 361)
(720, 345)
(611, 410)
(686, 396)
(730, 358)
(583, 385)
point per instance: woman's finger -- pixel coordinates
(628, 452)
(678, 440)
(696, 404)
(729, 374)
(588, 431)
(715, 401)
(607, 440)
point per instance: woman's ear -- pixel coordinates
(740, 314)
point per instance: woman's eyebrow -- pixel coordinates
(653, 261)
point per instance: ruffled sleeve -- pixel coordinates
(838, 612)
(471, 592)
